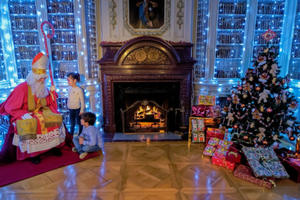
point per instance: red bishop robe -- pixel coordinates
(16, 106)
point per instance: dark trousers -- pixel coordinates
(75, 119)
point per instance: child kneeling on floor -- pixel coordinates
(90, 139)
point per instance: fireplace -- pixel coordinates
(145, 70)
(146, 106)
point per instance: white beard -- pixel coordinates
(39, 89)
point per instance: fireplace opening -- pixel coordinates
(144, 117)
(146, 107)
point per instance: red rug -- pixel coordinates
(20, 170)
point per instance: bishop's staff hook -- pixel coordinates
(46, 46)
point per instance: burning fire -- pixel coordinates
(147, 110)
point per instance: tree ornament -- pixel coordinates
(235, 99)
(262, 108)
(274, 80)
(269, 110)
(256, 115)
(243, 105)
(273, 70)
(225, 109)
(292, 138)
(265, 142)
(261, 134)
(245, 96)
(245, 137)
(264, 77)
(251, 78)
(261, 59)
(265, 67)
(235, 126)
(257, 88)
(293, 105)
(263, 96)
(229, 118)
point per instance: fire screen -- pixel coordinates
(144, 117)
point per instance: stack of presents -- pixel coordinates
(259, 165)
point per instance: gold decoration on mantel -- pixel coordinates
(147, 55)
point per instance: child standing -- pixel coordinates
(75, 101)
(90, 139)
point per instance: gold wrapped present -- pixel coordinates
(27, 128)
(52, 119)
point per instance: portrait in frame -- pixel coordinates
(147, 17)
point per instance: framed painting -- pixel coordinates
(147, 17)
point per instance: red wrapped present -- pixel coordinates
(214, 132)
(219, 160)
(203, 111)
(233, 156)
(245, 173)
(291, 165)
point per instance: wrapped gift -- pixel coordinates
(264, 162)
(233, 154)
(213, 141)
(206, 100)
(214, 133)
(197, 124)
(209, 150)
(219, 160)
(245, 173)
(204, 111)
(198, 136)
(216, 146)
(233, 157)
(224, 144)
(209, 122)
(292, 165)
(199, 111)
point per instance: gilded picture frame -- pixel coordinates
(147, 17)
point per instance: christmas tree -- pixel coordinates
(261, 108)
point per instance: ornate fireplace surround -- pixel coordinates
(145, 59)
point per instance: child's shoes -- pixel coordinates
(83, 155)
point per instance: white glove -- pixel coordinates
(52, 88)
(26, 116)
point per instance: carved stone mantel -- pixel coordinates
(145, 59)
